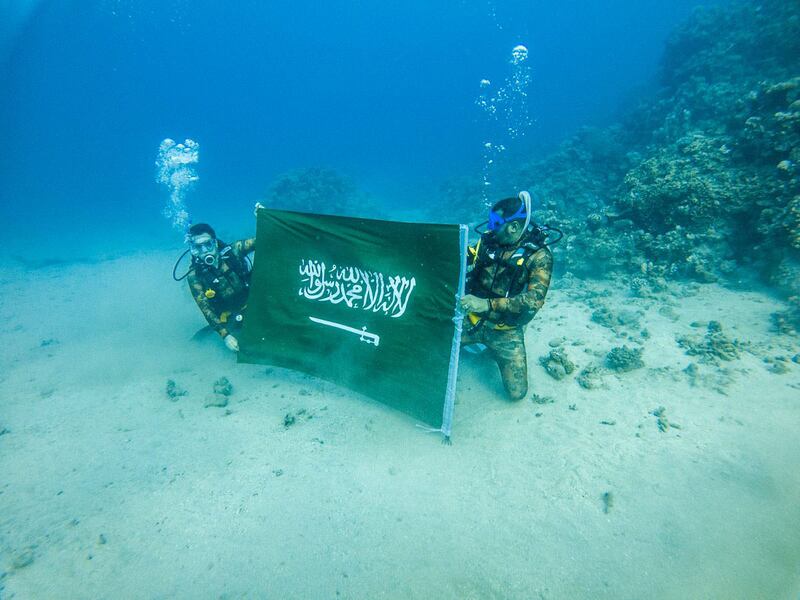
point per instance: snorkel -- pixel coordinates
(525, 196)
(543, 230)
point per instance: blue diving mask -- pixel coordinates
(496, 221)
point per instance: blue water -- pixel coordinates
(384, 92)
(656, 481)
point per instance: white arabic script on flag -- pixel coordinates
(357, 288)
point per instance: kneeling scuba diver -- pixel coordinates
(509, 272)
(219, 279)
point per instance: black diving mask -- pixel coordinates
(203, 248)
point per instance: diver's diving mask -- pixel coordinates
(496, 221)
(204, 248)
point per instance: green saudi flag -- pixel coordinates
(370, 305)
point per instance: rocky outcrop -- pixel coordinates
(703, 179)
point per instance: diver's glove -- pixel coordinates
(474, 304)
(232, 343)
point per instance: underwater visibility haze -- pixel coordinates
(384, 94)
(619, 399)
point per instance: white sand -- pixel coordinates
(356, 502)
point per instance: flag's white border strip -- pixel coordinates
(455, 349)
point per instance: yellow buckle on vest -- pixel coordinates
(475, 319)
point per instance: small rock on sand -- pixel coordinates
(223, 387)
(23, 559)
(608, 501)
(537, 399)
(217, 400)
(557, 364)
(174, 391)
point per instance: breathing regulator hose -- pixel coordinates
(175, 268)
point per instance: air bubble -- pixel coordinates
(176, 170)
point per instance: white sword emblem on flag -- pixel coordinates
(363, 334)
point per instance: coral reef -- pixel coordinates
(623, 359)
(713, 346)
(700, 180)
(591, 378)
(319, 190)
(788, 321)
(717, 188)
(647, 287)
(557, 364)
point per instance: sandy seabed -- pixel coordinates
(110, 489)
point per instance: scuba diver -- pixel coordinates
(509, 275)
(219, 279)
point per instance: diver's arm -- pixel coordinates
(199, 295)
(532, 298)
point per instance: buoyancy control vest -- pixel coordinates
(226, 285)
(513, 271)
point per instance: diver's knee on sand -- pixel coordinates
(516, 388)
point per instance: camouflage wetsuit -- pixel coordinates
(515, 279)
(221, 293)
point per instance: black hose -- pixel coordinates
(175, 268)
(481, 224)
(560, 233)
